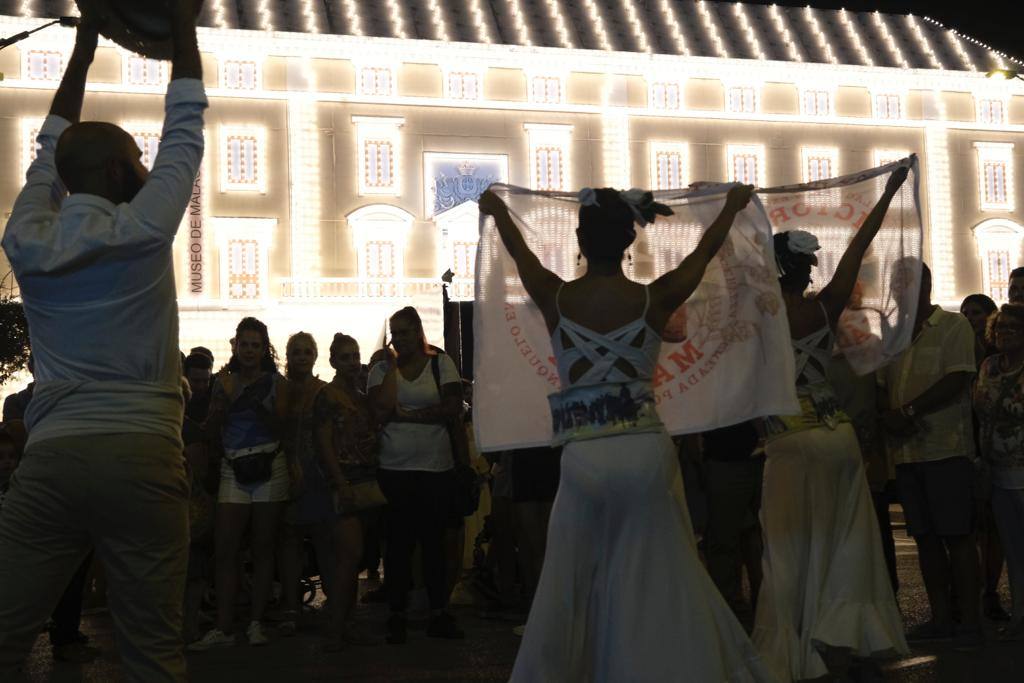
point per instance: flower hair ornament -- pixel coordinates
(799, 242)
(640, 202)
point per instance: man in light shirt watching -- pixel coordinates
(931, 441)
(103, 465)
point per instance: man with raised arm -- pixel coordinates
(103, 465)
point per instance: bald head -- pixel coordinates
(100, 158)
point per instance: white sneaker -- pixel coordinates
(213, 638)
(255, 634)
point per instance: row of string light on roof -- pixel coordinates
(702, 28)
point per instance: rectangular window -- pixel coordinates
(995, 176)
(546, 89)
(379, 259)
(742, 100)
(669, 173)
(548, 162)
(242, 165)
(44, 65)
(463, 259)
(142, 71)
(238, 74)
(744, 169)
(149, 143)
(375, 80)
(243, 269)
(665, 95)
(999, 274)
(379, 157)
(819, 163)
(994, 182)
(888, 106)
(463, 85)
(746, 164)
(818, 168)
(378, 163)
(991, 111)
(550, 150)
(816, 102)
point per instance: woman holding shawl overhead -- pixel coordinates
(622, 595)
(826, 598)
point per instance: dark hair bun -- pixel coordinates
(794, 267)
(608, 224)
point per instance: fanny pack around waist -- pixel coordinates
(254, 465)
(607, 409)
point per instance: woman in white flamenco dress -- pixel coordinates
(826, 599)
(622, 596)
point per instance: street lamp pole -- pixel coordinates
(63, 21)
(18, 37)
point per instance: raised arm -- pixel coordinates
(837, 293)
(186, 62)
(161, 202)
(540, 283)
(67, 102)
(673, 288)
(40, 199)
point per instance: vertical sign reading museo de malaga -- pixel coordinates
(196, 285)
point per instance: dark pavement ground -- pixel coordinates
(489, 651)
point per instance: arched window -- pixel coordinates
(999, 244)
(380, 233)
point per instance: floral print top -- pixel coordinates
(999, 403)
(355, 434)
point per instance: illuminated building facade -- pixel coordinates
(347, 139)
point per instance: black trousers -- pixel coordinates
(67, 616)
(419, 507)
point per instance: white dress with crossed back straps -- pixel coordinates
(623, 595)
(825, 581)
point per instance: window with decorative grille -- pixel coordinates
(378, 164)
(888, 106)
(149, 143)
(668, 166)
(819, 168)
(375, 80)
(241, 154)
(244, 269)
(142, 71)
(546, 89)
(44, 65)
(463, 85)
(238, 74)
(744, 168)
(548, 163)
(816, 102)
(742, 99)
(665, 95)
